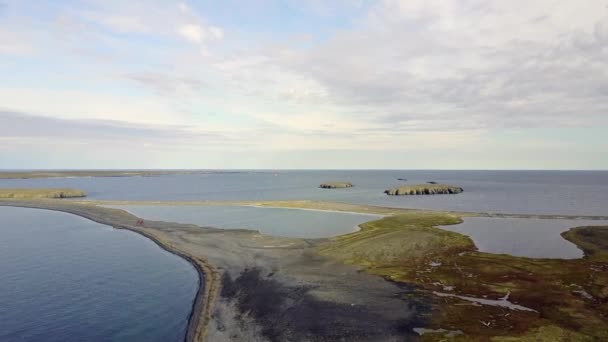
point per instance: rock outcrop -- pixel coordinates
(424, 189)
(336, 185)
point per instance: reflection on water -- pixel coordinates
(65, 278)
(270, 221)
(534, 238)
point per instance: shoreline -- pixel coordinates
(209, 282)
(203, 270)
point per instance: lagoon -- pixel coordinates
(270, 221)
(525, 237)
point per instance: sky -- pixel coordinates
(342, 84)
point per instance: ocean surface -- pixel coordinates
(269, 221)
(527, 192)
(65, 278)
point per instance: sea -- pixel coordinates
(524, 192)
(65, 278)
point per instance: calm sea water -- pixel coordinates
(270, 221)
(533, 238)
(64, 278)
(549, 192)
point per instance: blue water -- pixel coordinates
(548, 192)
(64, 278)
(533, 238)
(270, 221)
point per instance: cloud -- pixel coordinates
(461, 65)
(166, 84)
(398, 75)
(15, 127)
(198, 34)
(148, 18)
(82, 104)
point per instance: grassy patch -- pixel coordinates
(592, 240)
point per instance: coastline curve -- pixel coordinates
(208, 277)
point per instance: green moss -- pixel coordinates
(397, 239)
(40, 193)
(549, 333)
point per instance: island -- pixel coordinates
(424, 189)
(41, 193)
(336, 185)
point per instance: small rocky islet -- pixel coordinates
(424, 189)
(336, 185)
(431, 188)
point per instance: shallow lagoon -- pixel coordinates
(269, 221)
(65, 278)
(534, 238)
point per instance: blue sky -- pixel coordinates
(463, 84)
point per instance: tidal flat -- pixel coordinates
(397, 275)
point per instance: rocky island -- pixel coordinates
(336, 185)
(424, 189)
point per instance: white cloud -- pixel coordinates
(155, 18)
(198, 34)
(192, 32)
(80, 104)
(406, 75)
